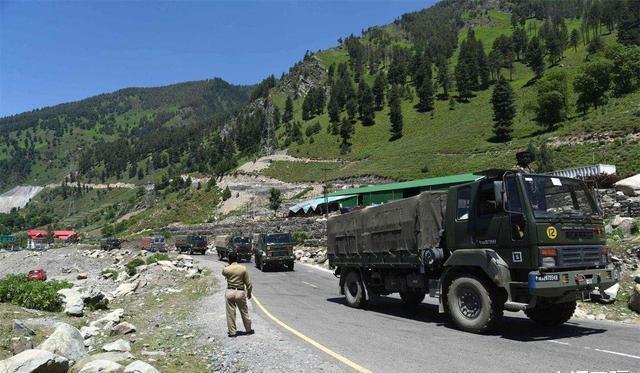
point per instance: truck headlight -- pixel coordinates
(548, 262)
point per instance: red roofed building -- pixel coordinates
(38, 237)
(63, 235)
(37, 234)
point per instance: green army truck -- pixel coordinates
(240, 244)
(509, 241)
(274, 250)
(110, 243)
(191, 243)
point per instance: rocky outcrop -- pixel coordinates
(73, 303)
(101, 366)
(65, 341)
(119, 346)
(303, 76)
(139, 366)
(35, 361)
(629, 186)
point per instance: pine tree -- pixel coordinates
(352, 108)
(535, 56)
(575, 39)
(379, 86)
(395, 114)
(346, 131)
(334, 109)
(519, 41)
(462, 81)
(503, 110)
(288, 110)
(366, 105)
(444, 79)
(425, 93)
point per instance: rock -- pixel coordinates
(612, 292)
(153, 353)
(634, 301)
(601, 316)
(65, 341)
(192, 273)
(139, 366)
(95, 299)
(20, 328)
(126, 289)
(36, 361)
(110, 356)
(616, 221)
(626, 226)
(82, 276)
(122, 276)
(636, 279)
(123, 328)
(73, 303)
(89, 331)
(113, 317)
(21, 344)
(120, 345)
(184, 257)
(629, 186)
(101, 366)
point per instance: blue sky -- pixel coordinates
(54, 52)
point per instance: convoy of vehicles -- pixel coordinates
(242, 245)
(110, 243)
(274, 250)
(509, 241)
(192, 243)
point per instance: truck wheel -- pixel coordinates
(552, 314)
(412, 297)
(474, 305)
(354, 290)
(290, 266)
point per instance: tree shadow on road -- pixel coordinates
(512, 327)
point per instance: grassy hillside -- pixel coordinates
(449, 141)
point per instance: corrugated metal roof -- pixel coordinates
(420, 183)
(313, 204)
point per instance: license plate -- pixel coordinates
(548, 277)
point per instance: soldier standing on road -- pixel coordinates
(237, 281)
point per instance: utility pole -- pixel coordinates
(325, 191)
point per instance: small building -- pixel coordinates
(39, 239)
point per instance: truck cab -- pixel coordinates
(274, 250)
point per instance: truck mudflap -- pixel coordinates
(556, 284)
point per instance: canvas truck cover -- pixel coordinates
(222, 241)
(409, 224)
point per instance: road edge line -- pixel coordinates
(310, 341)
(316, 267)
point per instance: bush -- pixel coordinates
(37, 295)
(131, 266)
(157, 257)
(114, 273)
(299, 237)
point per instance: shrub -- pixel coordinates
(38, 295)
(157, 257)
(299, 237)
(131, 266)
(114, 273)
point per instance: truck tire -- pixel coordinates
(353, 288)
(552, 314)
(290, 266)
(473, 305)
(412, 298)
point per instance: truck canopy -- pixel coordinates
(222, 241)
(409, 224)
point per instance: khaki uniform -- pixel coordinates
(237, 281)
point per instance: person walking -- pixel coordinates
(238, 291)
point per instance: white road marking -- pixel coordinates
(312, 285)
(558, 342)
(618, 353)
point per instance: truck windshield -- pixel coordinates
(553, 196)
(242, 240)
(278, 238)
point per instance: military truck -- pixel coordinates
(191, 243)
(242, 245)
(157, 244)
(110, 243)
(274, 250)
(510, 241)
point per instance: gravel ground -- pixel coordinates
(271, 349)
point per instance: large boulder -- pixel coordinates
(112, 317)
(139, 366)
(101, 366)
(116, 357)
(95, 299)
(634, 301)
(123, 328)
(35, 361)
(126, 288)
(629, 186)
(73, 303)
(65, 341)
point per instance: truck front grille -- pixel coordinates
(280, 252)
(579, 233)
(570, 257)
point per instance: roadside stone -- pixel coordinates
(139, 366)
(120, 346)
(19, 327)
(153, 353)
(36, 361)
(117, 357)
(636, 279)
(101, 366)
(21, 344)
(123, 328)
(65, 341)
(89, 331)
(192, 273)
(126, 289)
(82, 276)
(629, 186)
(73, 303)
(113, 316)
(634, 301)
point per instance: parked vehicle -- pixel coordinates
(509, 241)
(37, 275)
(242, 245)
(157, 244)
(274, 250)
(110, 243)
(191, 243)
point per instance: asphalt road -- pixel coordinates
(388, 337)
